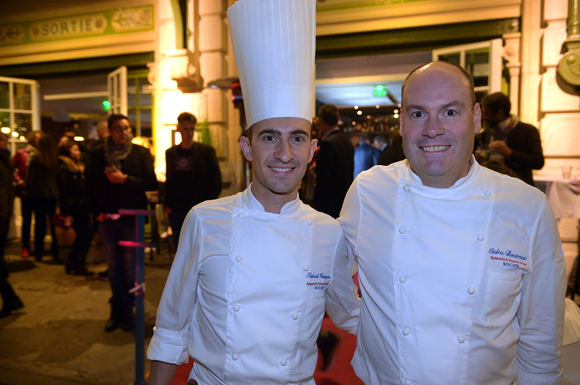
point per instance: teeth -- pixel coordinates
(279, 169)
(434, 148)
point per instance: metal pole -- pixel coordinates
(139, 289)
(139, 304)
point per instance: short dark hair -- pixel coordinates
(112, 118)
(497, 102)
(466, 75)
(329, 115)
(186, 117)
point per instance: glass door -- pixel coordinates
(482, 60)
(19, 110)
(117, 88)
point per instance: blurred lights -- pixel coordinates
(5, 130)
(15, 134)
(377, 106)
(79, 139)
(356, 107)
(396, 116)
(359, 112)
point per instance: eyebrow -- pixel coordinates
(455, 103)
(273, 131)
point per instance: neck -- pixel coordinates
(273, 202)
(186, 145)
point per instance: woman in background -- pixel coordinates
(73, 205)
(10, 301)
(41, 186)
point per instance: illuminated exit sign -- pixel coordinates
(380, 91)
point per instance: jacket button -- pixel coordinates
(235, 356)
(486, 194)
(460, 339)
(407, 188)
(295, 316)
(403, 279)
(471, 290)
(306, 267)
(239, 258)
(406, 331)
(241, 215)
(283, 362)
(237, 308)
(309, 222)
(402, 230)
(480, 237)
(408, 382)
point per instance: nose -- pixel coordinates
(284, 151)
(433, 128)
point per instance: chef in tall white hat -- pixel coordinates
(255, 272)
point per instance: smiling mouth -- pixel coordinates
(434, 148)
(282, 169)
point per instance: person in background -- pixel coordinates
(380, 143)
(193, 174)
(507, 140)
(334, 163)
(365, 155)
(72, 198)
(470, 288)
(20, 164)
(10, 301)
(254, 272)
(41, 186)
(394, 153)
(117, 177)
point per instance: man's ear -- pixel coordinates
(246, 147)
(313, 144)
(477, 118)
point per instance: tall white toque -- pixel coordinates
(274, 46)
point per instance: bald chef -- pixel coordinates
(255, 272)
(469, 288)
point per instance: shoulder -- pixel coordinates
(513, 191)
(525, 127)
(214, 206)
(171, 150)
(201, 147)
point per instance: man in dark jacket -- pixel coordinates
(507, 140)
(334, 164)
(193, 174)
(118, 175)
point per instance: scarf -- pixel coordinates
(116, 153)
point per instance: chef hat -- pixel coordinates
(274, 47)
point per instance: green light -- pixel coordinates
(106, 105)
(379, 91)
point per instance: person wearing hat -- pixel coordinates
(255, 272)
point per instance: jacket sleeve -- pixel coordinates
(169, 165)
(176, 309)
(214, 175)
(63, 190)
(541, 311)
(326, 159)
(342, 301)
(532, 156)
(146, 181)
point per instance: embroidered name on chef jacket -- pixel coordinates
(318, 280)
(508, 259)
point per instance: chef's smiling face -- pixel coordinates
(279, 149)
(438, 124)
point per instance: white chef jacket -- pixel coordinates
(247, 292)
(463, 285)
